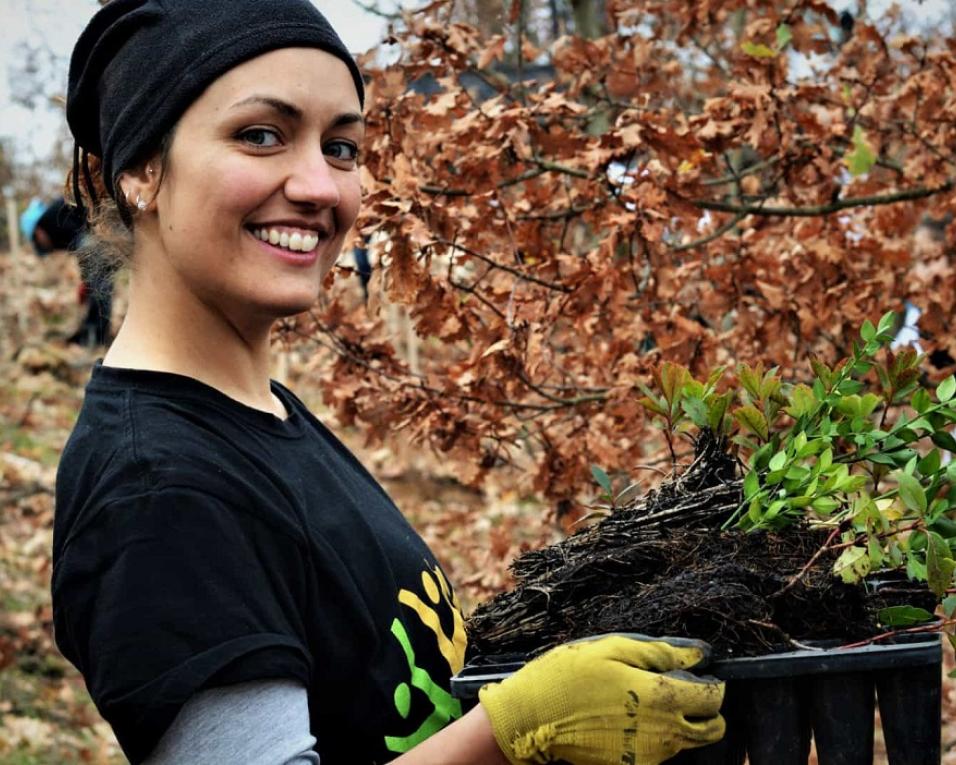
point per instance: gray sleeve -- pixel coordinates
(265, 722)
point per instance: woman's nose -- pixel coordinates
(312, 181)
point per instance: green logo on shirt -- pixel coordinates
(445, 708)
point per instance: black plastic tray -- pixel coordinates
(774, 704)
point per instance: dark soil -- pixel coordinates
(663, 567)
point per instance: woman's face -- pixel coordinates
(262, 184)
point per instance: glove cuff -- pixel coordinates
(502, 722)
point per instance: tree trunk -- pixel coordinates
(590, 19)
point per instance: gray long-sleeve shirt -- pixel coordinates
(264, 722)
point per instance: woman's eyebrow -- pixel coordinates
(294, 112)
(348, 118)
(283, 107)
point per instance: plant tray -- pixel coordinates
(775, 703)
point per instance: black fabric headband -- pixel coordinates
(140, 63)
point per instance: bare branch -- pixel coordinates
(812, 211)
(501, 266)
(711, 237)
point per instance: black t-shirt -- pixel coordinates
(199, 542)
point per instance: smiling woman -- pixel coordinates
(231, 582)
(246, 159)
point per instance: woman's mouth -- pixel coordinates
(295, 240)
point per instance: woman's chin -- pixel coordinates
(289, 305)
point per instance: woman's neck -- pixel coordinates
(169, 329)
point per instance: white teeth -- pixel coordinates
(296, 241)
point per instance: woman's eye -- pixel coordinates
(342, 150)
(260, 137)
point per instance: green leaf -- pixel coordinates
(753, 420)
(946, 527)
(875, 551)
(895, 556)
(867, 331)
(917, 540)
(929, 464)
(652, 405)
(751, 485)
(849, 387)
(826, 459)
(778, 460)
(946, 389)
(848, 405)
(887, 322)
(851, 483)
(758, 50)
(769, 385)
(602, 478)
(696, 410)
(852, 565)
(911, 492)
(774, 510)
(750, 380)
(881, 459)
(717, 408)
(939, 565)
(672, 379)
(825, 505)
(714, 377)
(784, 36)
(862, 158)
(949, 606)
(944, 440)
(911, 465)
(921, 401)
(802, 401)
(903, 616)
(869, 403)
(761, 457)
(822, 371)
(915, 569)
(811, 448)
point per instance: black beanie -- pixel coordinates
(139, 64)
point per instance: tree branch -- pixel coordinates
(711, 237)
(501, 266)
(376, 11)
(813, 211)
(543, 167)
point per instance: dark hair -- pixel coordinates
(107, 244)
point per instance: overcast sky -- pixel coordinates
(59, 22)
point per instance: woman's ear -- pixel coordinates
(139, 186)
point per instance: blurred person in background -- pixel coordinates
(61, 226)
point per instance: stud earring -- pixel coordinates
(140, 203)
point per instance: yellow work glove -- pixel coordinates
(606, 701)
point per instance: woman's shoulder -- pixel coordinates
(133, 427)
(151, 437)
